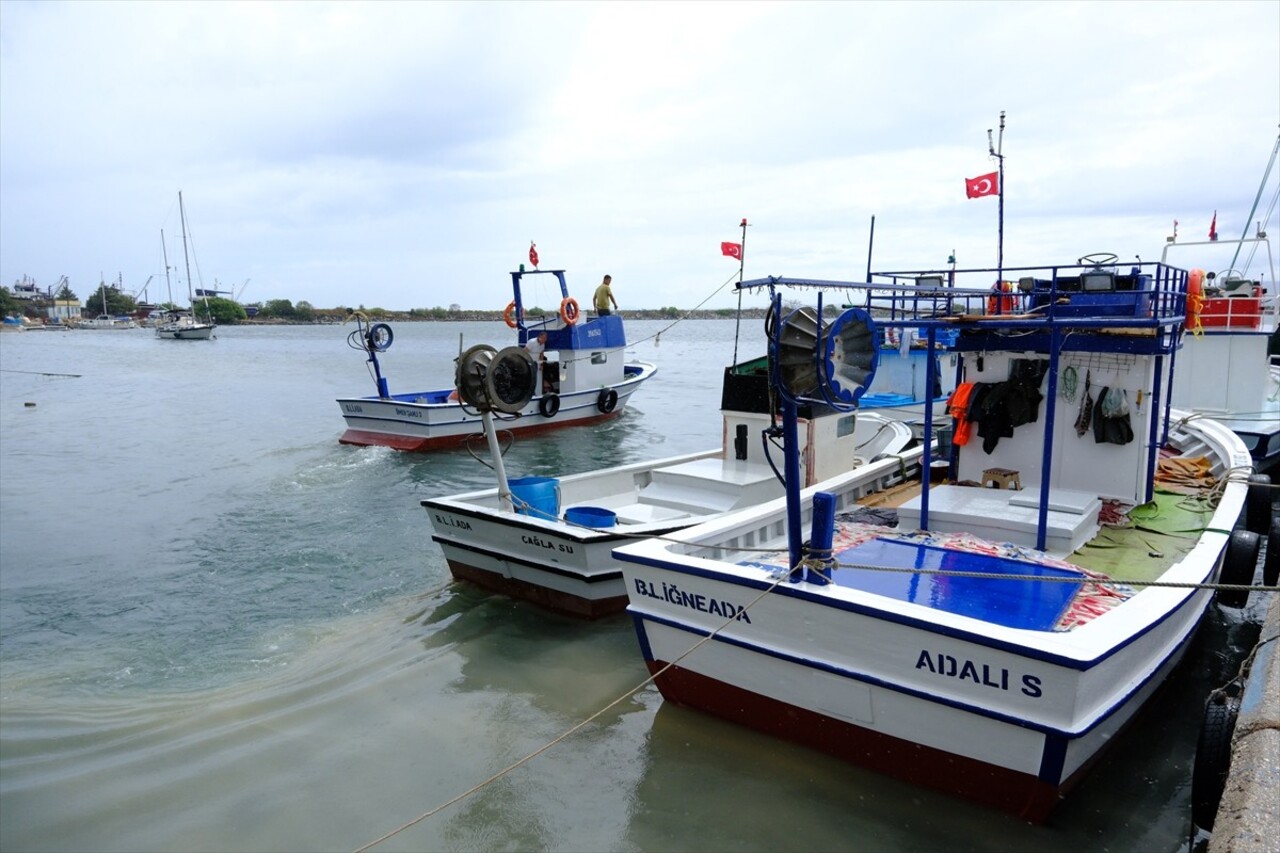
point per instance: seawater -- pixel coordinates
(222, 630)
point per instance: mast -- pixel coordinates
(182, 216)
(165, 253)
(742, 259)
(997, 151)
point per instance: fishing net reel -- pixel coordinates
(496, 380)
(813, 361)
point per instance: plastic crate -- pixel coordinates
(1243, 312)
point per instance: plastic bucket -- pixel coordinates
(536, 496)
(591, 516)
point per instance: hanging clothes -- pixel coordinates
(1111, 417)
(958, 408)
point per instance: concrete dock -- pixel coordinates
(1248, 819)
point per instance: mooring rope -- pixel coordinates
(566, 734)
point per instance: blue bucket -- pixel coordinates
(591, 516)
(536, 496)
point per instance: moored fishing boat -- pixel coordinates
(984, 641)
(549, 540)
(583, 372)
(1229, 366)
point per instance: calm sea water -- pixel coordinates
(221, 630)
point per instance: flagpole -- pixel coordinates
(997, 151)
(871, 240)
(742, 260)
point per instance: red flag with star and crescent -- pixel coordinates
(533, 253)
(982, 185)
(731, 250)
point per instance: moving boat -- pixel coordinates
(989, 634)
(584, 378)
(549, 540)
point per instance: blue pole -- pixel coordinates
(824, 522)
(791, 471)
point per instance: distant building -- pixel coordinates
(63, 310)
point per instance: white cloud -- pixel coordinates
(404, 154)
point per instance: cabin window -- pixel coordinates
(599, 357)
(844, 426)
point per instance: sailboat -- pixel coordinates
(179, 324)
(105, 320)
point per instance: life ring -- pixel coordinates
(1195, 299)
(1001, 301)
(607, 401)
(1213, 758)
(569, 312)
(509, 316)
(549, 405)
(1238, 565)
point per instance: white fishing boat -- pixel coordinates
(987, 642)
(582, 377)
(181, 324)
(1227, 368)
(107, 322)
(549, 540)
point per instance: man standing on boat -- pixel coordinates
(604, 296)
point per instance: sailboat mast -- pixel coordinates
(164, 251)
(182, 215)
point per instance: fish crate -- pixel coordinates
(1244, 312)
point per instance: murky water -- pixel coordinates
(221, 630)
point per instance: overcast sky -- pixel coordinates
(405, 154)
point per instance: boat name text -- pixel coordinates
(408, 413)
(984, 674)
(543, 543)
(450, 521)
(672, 594)
(352, 407)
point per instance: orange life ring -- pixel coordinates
(998, 304)
(1195, 299)
(509, 316)
(569, 310)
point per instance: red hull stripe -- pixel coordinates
(1020, 793)
(368, 438)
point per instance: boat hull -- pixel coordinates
(415, 422)
(970, 702)
(188, 333)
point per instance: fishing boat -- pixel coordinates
(549, 540)
(987, 629)
(1234, 332)
(181, 324)
(576, 367)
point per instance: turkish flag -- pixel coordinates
(732, 250)
(533, 254)
(1213, 227)
(982, 185)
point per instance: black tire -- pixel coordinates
(1238, 565)
(1257, 504)
(1213, 758)
(607, 401)
(380, 337)
(549, 405)
(1271, 565)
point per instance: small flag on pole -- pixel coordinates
(533, 254)
(982, 185)
(732, 250)
(1213, 227)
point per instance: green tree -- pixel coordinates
(9, 304)
(281, 309)
(117, 303)
(304, 311)
(223, 311)
(66, 293)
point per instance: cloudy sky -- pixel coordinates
(405, 154)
